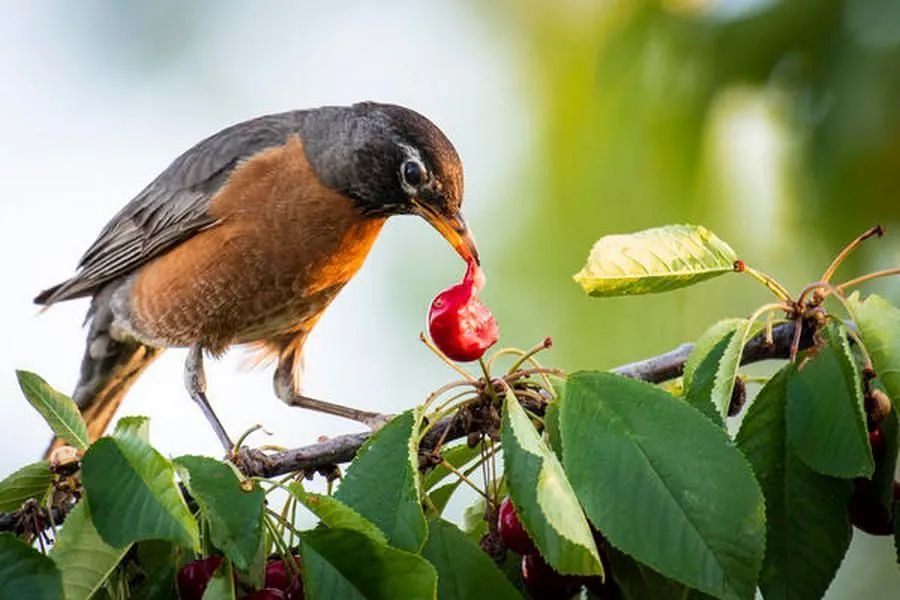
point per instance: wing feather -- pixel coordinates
(173, 207)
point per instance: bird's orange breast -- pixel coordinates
(282, 248)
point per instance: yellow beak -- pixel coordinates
(454, 230)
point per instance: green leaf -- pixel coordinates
(474, 524)
(221, 586)
(440, 496)
(340, 563)
(138, 427)
(543, 497)
(83, 558)
(25, 572)
(826, 422)
(551, 428)
(382, 483)
(336, 514)
(457, 456)
(232, 507)
(551, 415)
(663, 483)
(57, 409)
(640, 582)
(879, 327)
(30, 482)
(705, 345)
(714, 366)
(132, 494)
(654, 260)
(703, 380)
(159, 561)
(464, 570)
(806, 513)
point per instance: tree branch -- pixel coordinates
(654, 370)
(322, 456)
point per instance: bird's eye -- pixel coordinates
(413, 173)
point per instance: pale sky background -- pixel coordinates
(82, 134)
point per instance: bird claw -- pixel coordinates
(251, 460)
(376, 421)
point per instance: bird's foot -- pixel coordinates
(252, 461)
(376, 421)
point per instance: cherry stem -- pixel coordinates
(503, 352)
(878, 230)
(462, 476)
(528, 393)
(436, 416)
(443, 438)
(487, 377)
(769, 310)
(283, 550)
(274, 532)
(493, 457)
(795, 343)
(444, 389)
(529, 354)
(536, 371)
(830, 290)
(445, 358)
(868, 277)
(246, 434)
(776, 288)
(443, 405)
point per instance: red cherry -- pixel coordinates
(278, 577)
(542, 582)
(511, 531)
(266, 594)
(460, 325)
(876, 441)
(194, 577)
(866, 513)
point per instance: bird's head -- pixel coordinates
(391, 160)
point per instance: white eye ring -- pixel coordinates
(413, 174)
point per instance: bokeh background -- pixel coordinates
(775, 123)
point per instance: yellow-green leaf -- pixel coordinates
(654, 260)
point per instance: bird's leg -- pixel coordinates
(195, 381)
(284, 389)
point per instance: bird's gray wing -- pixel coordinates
(173, 207)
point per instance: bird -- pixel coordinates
(246, 238)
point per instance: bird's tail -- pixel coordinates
(108, 369)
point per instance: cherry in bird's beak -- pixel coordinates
(454, 230)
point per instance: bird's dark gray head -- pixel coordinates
(390, 160)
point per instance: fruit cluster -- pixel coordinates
(541, 581)
(281, 582)
(866, 511)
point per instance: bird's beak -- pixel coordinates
(453, 228)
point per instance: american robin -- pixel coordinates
(247, 237)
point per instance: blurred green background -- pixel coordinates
(774, 123)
